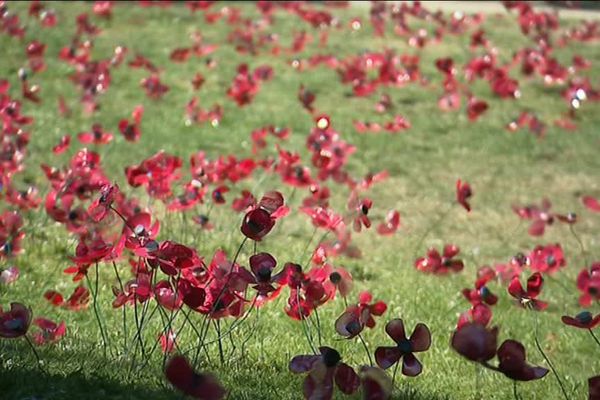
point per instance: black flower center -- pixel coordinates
(331, 358)
(405, 346)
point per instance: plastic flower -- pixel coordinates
(528, 297)
(323, 370)
(511, 355)
(420, 340)
(475, 342)
(463, 193)
(583, 320)
(14, 322)
(588, 283)
(199, 386)
(442, 264)
(50, 332)
(356, 317)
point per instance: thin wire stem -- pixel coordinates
(539, 347)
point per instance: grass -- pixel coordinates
(423, 163)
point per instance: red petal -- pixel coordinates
(387, 356)
(591, 203)
(534, 285)
(346, 379)
(395, 329)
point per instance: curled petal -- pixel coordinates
(410, 365)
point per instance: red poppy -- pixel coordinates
(323, 370)
(475, 342)
(167, 341)
(588, 283)
(131, 130)
(15, 322)
(591, 203)
(384, 104)
(463, 193)
(101, 205)
(528, 297)
(594, 387)
(259, 222)
(307, 98)
(479, 313)
(583, 320)
(376, 384)
(391, 223)
(547, 259)
(540, 216)
(360, 208)
(154, 87)
(63, 145)
(356, 317)
(50, 332)
(438, 264)
(218, 194)
(511, 355)
(96, 136)
(199, 386)
(475, 108)
(9, 275)
(420, 340)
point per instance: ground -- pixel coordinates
(423, 163)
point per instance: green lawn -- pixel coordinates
(423, 162)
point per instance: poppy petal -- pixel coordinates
(346, 379)
(387, 356)
(410, 365)
(395, 330)
(420, 339)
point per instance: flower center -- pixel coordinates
(331, 358)
(584, 317)
(405, 346)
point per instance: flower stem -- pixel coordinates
(35, 353)
(539, 347)
(515, 393)
(366, 348)
(594, 336)
(95, 306)
(218, 328)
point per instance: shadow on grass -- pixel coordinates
(30, 384)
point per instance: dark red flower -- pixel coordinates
(15, 322)
(376, 384)
(323, 370)
(588, 283)
(391, 224)
(50, 332)
(583, 320)
(475, 342)
(356, 317)
(258, 223)
(594, 388)
(101, 205)
(420, 340)
(511, 355)
(307, 98)
(199, 386)
(438, 264)
(547, 259)
(463, 193)
(479, 313)
(153, 86)
(475, 108)
(96, 136)
(360, 208)
(528, 297)
(131, 130)
(63, 145)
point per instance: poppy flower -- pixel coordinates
(323, 370)
(63, 145)
(511, 355)
(307, 98)
(167, 342)
(262, 277)
(420, 340)
(9, 275)
(154, 87)
(475, 342)
(463, 193)
(96, 136)
(588, 283)
(442, 264)
(475, 108)
(131, 129)
(594, 387)
(14, 322)
(101, 205)
(356, 317)
(479, 313)
(258, 222)
(360, 208)
(547, 259)
(591, 203)
(540, 216)
(391, 223)
(528, 297)
(384, 104)
(199, 386)
(50, 332)
(583, 320)
(375, 383)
